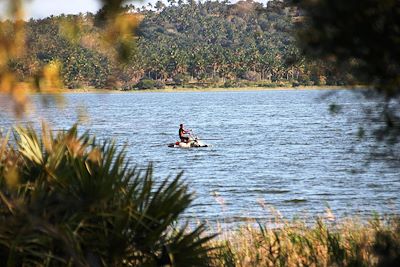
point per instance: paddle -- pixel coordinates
(210, 139)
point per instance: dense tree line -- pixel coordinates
(177, 42)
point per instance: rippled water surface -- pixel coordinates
(280, 149)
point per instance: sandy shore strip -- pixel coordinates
(211, 89)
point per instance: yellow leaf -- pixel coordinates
(4, 143)
(11, 177)
(7, 81)
(50, 81)
(47, 140)
(95, 155)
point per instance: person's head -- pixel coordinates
(181, 125)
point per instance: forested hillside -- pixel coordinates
(209, 43)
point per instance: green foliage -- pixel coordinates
(181, 79)
(231, 83)
(251, 76)
(68, 200)
(201, 40)
(149, 84)
(47, 42)
(213, 39)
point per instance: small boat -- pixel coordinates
(190, 144)
(194, 141)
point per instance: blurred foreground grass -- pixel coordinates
(349, 243)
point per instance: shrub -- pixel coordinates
(295, 84)
(67, 200)
(159, 85)
(305, 80)
(251, 76)
(180, 79)
(233, 83)
(149, 84)
(214, 80)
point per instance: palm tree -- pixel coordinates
(159, 6)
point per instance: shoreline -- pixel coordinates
(212, 89)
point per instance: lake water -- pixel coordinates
(277, 149)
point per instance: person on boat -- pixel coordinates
(183, 134)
